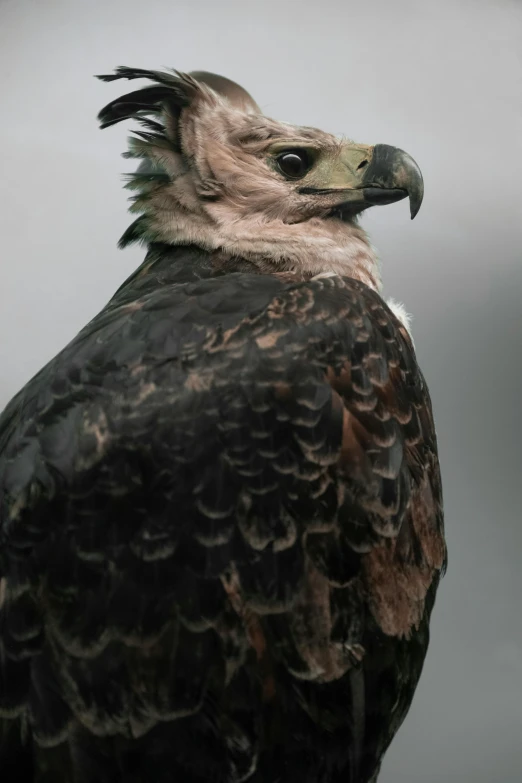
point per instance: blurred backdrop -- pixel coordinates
(442, 80)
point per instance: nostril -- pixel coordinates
(362, 164)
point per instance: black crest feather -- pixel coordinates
(136, 232)
(171, 91)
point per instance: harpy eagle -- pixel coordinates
(221, 527)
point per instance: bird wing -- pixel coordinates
(234, 475)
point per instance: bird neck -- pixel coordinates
(316, 246)
(294, 252)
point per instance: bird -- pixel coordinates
(221, 511)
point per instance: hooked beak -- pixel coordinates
(366, 176)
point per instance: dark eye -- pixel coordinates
(294, 164)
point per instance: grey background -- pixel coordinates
(443, 80)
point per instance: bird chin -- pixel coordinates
(346, 213)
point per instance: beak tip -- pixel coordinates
(416, 194)
(415, 203)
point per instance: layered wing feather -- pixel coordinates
(221, 532)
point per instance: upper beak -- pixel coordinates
(390, 176)
(364, 176)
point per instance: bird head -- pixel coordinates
(218, 173)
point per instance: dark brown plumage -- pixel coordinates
(220, 528)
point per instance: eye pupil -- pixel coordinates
(294, 164)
